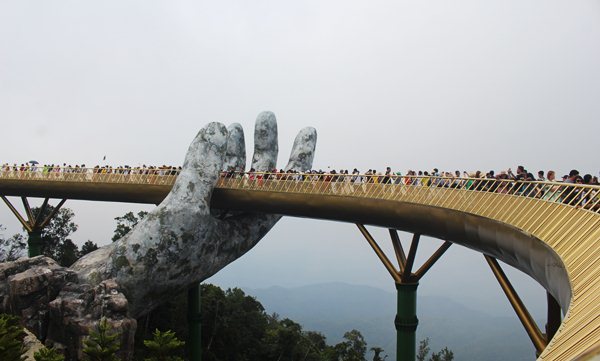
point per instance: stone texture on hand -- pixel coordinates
(180, 243)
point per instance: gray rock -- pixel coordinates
(58, 310)
(79, 308)
(27, 285)
(32, 345)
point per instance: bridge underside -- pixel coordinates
(497, 239)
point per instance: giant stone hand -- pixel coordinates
(180, 243)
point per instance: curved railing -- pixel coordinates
(578, 196)
(565, 217)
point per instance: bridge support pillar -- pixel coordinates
(407, 281)
(406, 321)
(34, 224)
(34, 243)
(194, 323)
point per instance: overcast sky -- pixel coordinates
(409, 84)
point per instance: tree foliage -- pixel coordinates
(58, 230)
(423, 352)
(102, 344)
(11, 248)
(48, 354)
(11, 338)
(443, 355)
(163, 346)
(88, 247)
(126, 223)
(377, 354)
(353, 348)
(56, 243)
(235, 326)
(67, 253)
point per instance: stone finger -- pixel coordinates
(235, 156)
(201, 168)
(265, 143)
(303, 151)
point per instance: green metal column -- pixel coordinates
(34, 243)
(406, 321)
(194, 323)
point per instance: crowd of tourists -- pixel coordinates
(425, 178)
(29, 169)
(545, 185)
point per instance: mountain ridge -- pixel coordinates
(336, 307)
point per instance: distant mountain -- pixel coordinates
(335, 308)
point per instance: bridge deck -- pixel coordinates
(549, 230)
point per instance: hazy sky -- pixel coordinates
(410, 84)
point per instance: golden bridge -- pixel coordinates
(551, 231)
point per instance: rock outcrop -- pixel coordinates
(60, 311)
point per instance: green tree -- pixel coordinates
(11, 338)
(171, 315)
(102, 344)
(11, 248)
(48, 354)
(315, 346)
(285, 340)
(444, 355)
(163, 346)
(67, 253)
(56, 243)
(423, 350)
(88, 247)
(376, 352)
(126, 223)
(353, 348)
(235, 325)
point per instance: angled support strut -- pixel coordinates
(34, 224)
(536, 336)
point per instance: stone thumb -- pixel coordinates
(201, 168)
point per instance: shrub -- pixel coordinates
(48, 354)
(163, 345)
(11, 338)
(102, 344)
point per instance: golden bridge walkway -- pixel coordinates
(548, 230)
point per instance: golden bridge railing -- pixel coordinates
(157, 176)
(564, 216)
(434, 191)
(428, 190)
